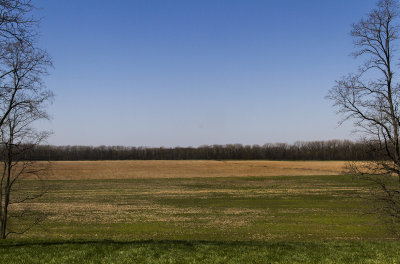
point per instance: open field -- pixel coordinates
(203, 216)
(78, 170)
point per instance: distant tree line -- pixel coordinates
(313, 150)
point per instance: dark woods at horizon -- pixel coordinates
(312, 150)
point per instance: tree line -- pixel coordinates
(312, 150)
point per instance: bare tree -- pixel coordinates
(371, 98)
(16, 25)
(26, 91)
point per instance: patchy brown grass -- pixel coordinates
(178, 200)
(76, 170)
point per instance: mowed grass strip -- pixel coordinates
(199, 252)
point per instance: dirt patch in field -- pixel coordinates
(76, 170)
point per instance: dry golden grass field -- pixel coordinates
(76, 170)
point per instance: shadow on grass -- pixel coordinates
(187, 243)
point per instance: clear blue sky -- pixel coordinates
(187, 73)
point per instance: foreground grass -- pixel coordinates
(199, 252)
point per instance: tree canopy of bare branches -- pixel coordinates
(15, 20)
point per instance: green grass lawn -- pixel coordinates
(299, 219)
(200, 252)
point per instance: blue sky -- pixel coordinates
(188, 73)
